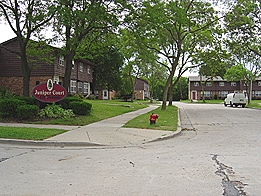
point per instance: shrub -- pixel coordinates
(80, 108)
(8, 107)
(5, 93)
(65, 103)
(28, 100)
(55, 111)
(91, 97)
(27, 111)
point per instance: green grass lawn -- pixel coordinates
(27, 133)
(168, 120)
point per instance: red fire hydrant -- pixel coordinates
(153, 118)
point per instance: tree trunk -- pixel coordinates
(165, 90)
(26, 70)
(68, 70)
(171, 93)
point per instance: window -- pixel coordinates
(196, 83)
(80, 87)
(233, 84)
(73, 63)
(259, 83)
(86, 88)
(206, 93)
(257, 93)
(221, 83)
(73, 86)
(56, 79)
(223, 93)
(89, 69)
(61, 60)
(37, 82)
(209, 84)
(81, 67)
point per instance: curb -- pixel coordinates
(47, 143)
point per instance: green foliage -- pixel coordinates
(91, 97)
(8, 107)
(5, 93)
(235, 73)
(55, 111)
(67, 100)
(107, 72)
(80, 108)
(28, 100)
(27, 111)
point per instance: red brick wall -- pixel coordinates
(15, 84)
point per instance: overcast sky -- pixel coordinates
(6, 33)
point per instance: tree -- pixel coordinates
(77, 20)
(240, 73)
(242, 26)
(173, 30)
(26, 18)
(107, 72)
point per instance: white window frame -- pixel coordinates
(73, 86)
(80, 87)
(56, 79)
(86, 88)
(73, 64)
(196, 83)
(221, 83)
(233, 84)
(209, 84)
(81, 67)
(89, 69)
(257, 94)
(61, 60)
(206, 93)
(259, 83)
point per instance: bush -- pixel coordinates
(27, 111)
(65, 103)
(55, 111)
(81, 108)
(5, 93)
(8, 107)
(28, 100)
(91, 97)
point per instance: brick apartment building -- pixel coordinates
(11, 73)
(218, 87)
(142, 89)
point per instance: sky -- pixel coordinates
(6, 32)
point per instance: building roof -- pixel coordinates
(204, 78)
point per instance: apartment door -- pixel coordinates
(194, 95)
(105, 94)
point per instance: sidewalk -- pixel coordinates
(105, 132)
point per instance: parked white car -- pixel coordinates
(235, 99)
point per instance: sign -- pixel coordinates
(49, 92)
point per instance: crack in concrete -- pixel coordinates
(231, 188)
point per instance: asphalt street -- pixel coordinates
(217, 153)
